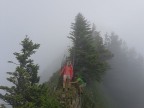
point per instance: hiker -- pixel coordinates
(67, 73)
(81, 83)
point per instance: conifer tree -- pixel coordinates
(84, 54)
(101, 49)
(24, 78)
(81, 37)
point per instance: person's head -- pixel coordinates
(76, 76)
(68, 63)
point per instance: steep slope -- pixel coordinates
(93, 96)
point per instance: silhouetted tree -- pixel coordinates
(124, 79)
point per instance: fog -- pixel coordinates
(123, 82)
(47, 22)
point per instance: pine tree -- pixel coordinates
(84, 54)
(101, 49)
(24, 78)
(81, 37)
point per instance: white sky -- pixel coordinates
(48, 22)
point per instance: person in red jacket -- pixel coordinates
(67, 73)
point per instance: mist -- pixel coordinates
(123, 82)
(48, 23)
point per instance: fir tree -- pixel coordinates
(81, 37)
(84, 53)
(24, 78)
(101, 49)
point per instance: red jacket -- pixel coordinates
(68, 70)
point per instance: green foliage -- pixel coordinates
(82, 51)
(100, 47)
(25, 91)
(94, 97)
(88, 52)
(24, 78)
(28, 48)
(42, 96)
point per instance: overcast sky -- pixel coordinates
(48, 22)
